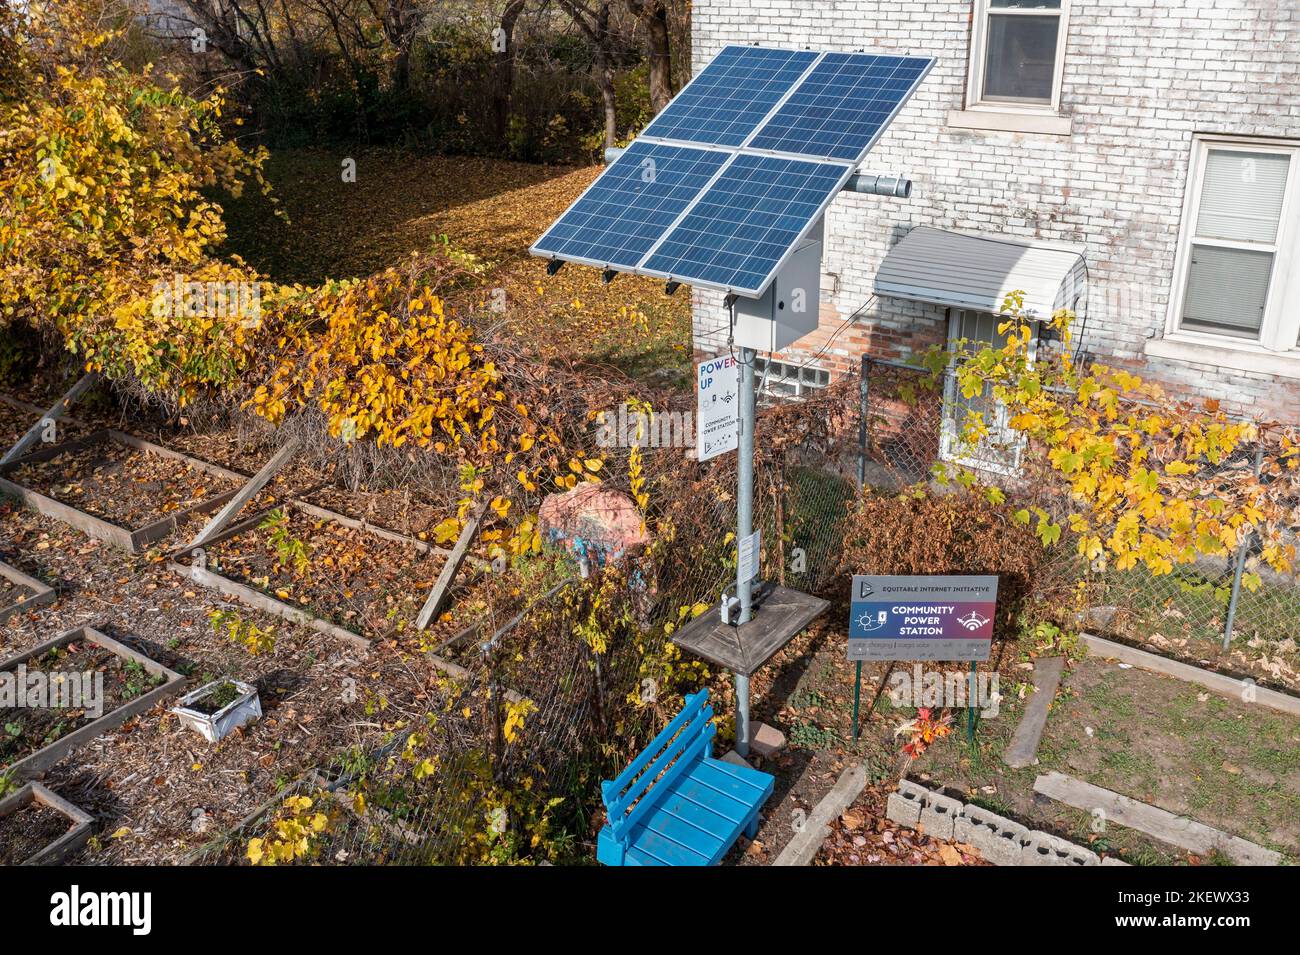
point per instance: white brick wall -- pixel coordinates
(1140, 77)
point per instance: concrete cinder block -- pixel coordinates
(1042, 848)
(731, 756)
(938, 813)
(999, 840)
(1112, 860)
(764, 740)
(904, 809)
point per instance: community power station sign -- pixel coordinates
(922, 617)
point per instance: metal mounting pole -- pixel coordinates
(744, 527)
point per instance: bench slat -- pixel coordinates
(635, 856)
(714, 801)
(698, 814)
(690, 757)
(706, 842)
(666, 850)
(694, 703)
(708, 773)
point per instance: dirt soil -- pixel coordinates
(124, 486)
(29, 830)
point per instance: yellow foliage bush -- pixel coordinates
(102, 178)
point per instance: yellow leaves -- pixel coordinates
(516, 713)
(447, 531)
(292, 836)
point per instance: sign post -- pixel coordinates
(922, 618)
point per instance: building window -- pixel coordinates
(1017, 53)
(1000, 452)
(784, 380)
(1239, 246)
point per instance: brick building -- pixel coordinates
(1148, 150)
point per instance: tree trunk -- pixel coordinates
(604, 71)
(503, 69)
(653, 16)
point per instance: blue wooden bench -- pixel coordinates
(676, 804)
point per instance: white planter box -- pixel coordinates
(246, 708)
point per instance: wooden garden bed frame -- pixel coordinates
(38, 763)
(133, 541)
(41, 595)
(65, 845)
(258, 600)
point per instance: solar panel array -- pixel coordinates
(616, 221)
(729, 177)
(742, 226)
(730, 97)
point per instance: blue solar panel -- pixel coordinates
(745, 223)
(730, 97)
(624, 212)
(843, 106)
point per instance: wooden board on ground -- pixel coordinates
(255, 484)
(1156, 822)
(55, 412)
(1231, 687)
(1023, 747)
(450, 569)
(38, 594)
(80, 823)
(35, 765)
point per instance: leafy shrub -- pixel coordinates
(963, 532)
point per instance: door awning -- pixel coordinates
(966, 270)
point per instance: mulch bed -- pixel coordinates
(357, 580)
(122, 485)
(27, 831)
(24, 730)
(864, 836)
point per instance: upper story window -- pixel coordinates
(1239, 246)
(1017, 53)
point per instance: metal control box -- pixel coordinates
(788, 310)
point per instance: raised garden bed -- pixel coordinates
(39, 828)
(340, 576)
(114, 486)
(20, 593)
(18, 416)
(32, 739)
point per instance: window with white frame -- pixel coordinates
(1017, 53)
(1239, 245)
(1001, 449)
(780, 379)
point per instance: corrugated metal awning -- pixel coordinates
(963, 270)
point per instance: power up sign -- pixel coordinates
(924, 617)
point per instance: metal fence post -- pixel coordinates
(863, 411)
(1242, 548)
